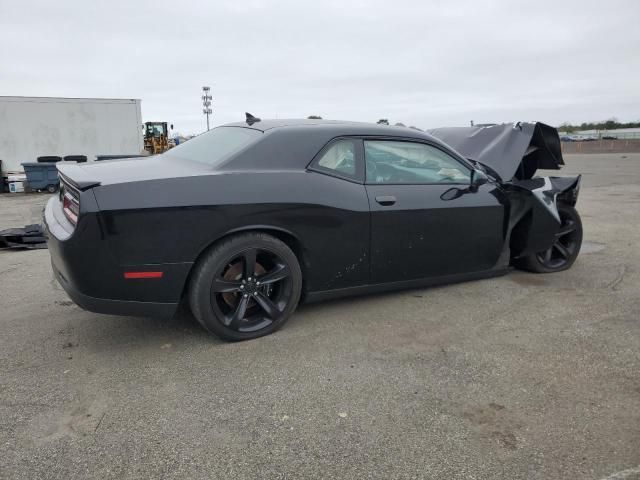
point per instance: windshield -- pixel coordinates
(155, 129)
(214, 147)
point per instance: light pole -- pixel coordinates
(206, 103)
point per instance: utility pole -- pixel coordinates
(206, 103)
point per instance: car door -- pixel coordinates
(415, 233)
(335, 220)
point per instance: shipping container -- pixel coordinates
(31, 127)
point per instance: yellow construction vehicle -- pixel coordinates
(156, 137)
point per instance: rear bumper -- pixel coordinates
(90, 277)
(114, 307)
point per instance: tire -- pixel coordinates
(75, 158)
(49, 159)
(52, 188)
(237, 302)
(563, 252)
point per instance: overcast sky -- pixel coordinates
(421, 62)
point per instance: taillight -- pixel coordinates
(70, 207)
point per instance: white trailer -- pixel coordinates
(31, 127)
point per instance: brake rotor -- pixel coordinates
(234, 273)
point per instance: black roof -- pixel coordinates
(337, 127)
(270, 123)
(304, 138)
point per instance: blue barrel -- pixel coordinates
(42, 176)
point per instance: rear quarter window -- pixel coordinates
(340, 159)
(214, 147)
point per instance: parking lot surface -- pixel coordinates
(519, 377)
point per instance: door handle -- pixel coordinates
(386, 200)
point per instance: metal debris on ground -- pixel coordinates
(30, 237)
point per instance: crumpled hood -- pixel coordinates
(510, 150)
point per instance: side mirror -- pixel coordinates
(453, 193)
(478, 178)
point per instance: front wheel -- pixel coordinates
(247, 286)
(564, 251)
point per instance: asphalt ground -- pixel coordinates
(519, 377)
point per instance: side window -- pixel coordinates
(340, 159)
(389, 161)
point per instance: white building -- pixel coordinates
(36, 126)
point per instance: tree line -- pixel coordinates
(610, 124)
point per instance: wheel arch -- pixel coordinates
(285, 236)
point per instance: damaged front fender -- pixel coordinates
(534, 220)
(511, 154)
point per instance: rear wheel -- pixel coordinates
(564, 251)
(246, 287)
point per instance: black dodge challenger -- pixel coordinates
(244, 221)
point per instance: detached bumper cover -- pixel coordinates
(548, 189)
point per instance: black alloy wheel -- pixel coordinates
(565, 245)
(251, 290)
(251, 284)
(564, 250)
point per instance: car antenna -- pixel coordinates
(251, 119)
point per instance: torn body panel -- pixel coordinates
(534, 220)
